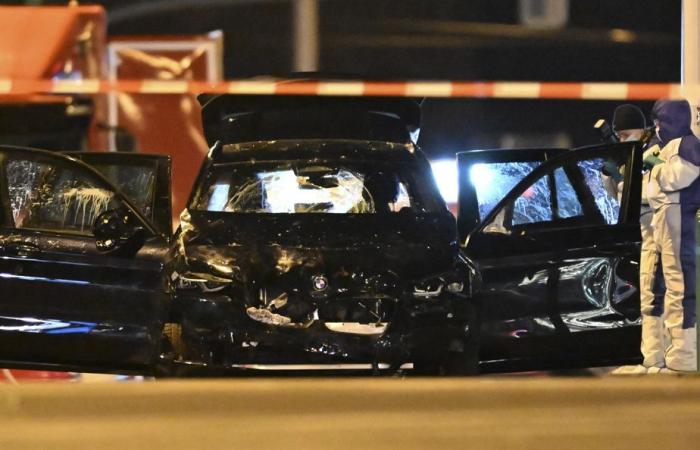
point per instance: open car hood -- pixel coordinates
(247, 118)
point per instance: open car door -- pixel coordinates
(80, 268)
(558, 254)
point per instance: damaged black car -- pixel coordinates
(315, 239)
(323, 243)
(320, 252)
(320, 244)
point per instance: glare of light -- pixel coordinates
(623, 36)
(445, 173)
(480, 176)
(219, 197)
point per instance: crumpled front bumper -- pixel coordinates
(218, 333)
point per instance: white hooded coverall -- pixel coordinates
(673, 192)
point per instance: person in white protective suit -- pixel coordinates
(673, 190)
(629, 125)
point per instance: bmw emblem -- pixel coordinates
(319, 283)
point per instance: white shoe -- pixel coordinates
(631, 370)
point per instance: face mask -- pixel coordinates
(630, 138)
(627, 136)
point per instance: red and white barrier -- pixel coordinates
(440, 89)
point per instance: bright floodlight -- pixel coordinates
(445, 172)
(480, 176)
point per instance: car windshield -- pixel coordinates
(325, 187)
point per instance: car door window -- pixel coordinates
(135, 181)
(575, 193)
(492, 181)
(46, 194)
(568, 204)
(603, 178)
(534, 204)
(144, 179)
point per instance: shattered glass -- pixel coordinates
(605, 199)
(533, 205)
(568, 204)
(295, 189)
(49, 197)
(136, 182)
(21, 178)
(493, 181)
(340, 192)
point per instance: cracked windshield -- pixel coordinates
(300, 188)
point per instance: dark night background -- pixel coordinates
(624, 40)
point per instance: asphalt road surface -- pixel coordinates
(483, 413)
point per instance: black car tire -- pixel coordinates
(463, 358)
(462, 363)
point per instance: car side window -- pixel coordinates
(534, 204)
(568, 203)
(492, 181)
(584, 194)
(604, 180)
(46, 194)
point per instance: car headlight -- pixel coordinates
(429, 288)
(203, 282)
(433, 287)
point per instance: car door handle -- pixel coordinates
(19, 248)
(610, 248)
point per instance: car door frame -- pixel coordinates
(79, 342)
(628, 215)
(631, 198)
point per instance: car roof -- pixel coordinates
(309, 149)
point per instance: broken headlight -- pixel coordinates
(433, 287)
(203, 282)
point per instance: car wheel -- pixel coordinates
(455, 363)
(462, 358)
(463, 363)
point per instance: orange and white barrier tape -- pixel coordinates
(7, 375)
(447, 89)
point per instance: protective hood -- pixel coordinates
(673, 118)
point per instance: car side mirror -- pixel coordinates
(117, 231)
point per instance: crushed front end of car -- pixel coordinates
(270, 304)
(334, 279)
